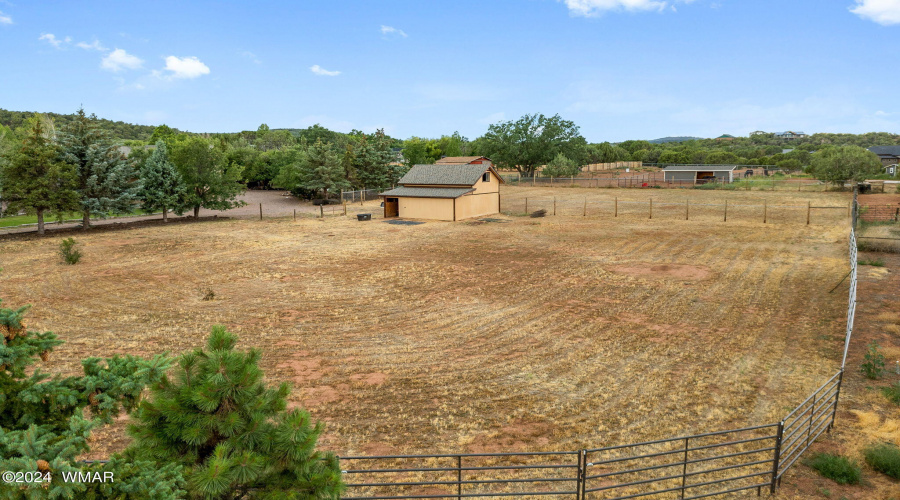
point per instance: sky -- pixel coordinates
(619, 69)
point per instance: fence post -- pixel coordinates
(616, 214)
(584, 213)
(260, 211)
(526, 204)
(765, 211)
(651, 207)
(459, 476)
(726, 211)
(345, 207)
(554, 200)
(812, 415)
(687, 209)
(684, 467)
(582, 472)
(295, 214)
(777, 459)
(321, 212)
(837, 396)
(808, 210)
(362, 196)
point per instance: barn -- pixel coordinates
(446, 191)
(698, 174)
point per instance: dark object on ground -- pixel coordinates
(493, 220)
(382, 203)
(363, 216)
(538, 213)
(325, 202)
(404, 222)
(864, 187)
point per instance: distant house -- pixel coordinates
(889, 155)
(469, 160)
(446, 191)
(790, 135)
(758, 132)
(699, 173)
(725, 137)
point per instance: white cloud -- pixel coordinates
(52, 40)
(95, 45)
(118, 60)
(390, 30)
(318, 70)
(250, 55)
(186, 67)
(5, 19)
(593, 8)
(884, 12)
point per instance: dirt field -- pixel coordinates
(532, 334)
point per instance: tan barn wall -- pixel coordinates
(426, 208)
(487, 187)
(472, 205)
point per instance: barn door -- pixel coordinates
(391, 207)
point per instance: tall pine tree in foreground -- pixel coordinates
(105, 177)
(231, 433)
(161, 184)
(46, 422)
(34, 179)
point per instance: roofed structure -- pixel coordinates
(453, 160)
(447, 191)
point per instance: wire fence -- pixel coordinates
(360, 196)
(650, 208)
(657, 180)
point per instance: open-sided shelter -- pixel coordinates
(446, 191)
(699, 173)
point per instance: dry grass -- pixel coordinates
(529, 335)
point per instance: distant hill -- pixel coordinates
(119, 130)
(674, 139)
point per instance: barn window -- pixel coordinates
(486, 177)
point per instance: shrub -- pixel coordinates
(892, 393)
(873, 366)
(68, 252)
(835, 467)
(884, 458)
(870, 262)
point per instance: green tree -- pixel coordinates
(46, 422)
(415, 152)
(230, 431)
(839, 164)
(163, 133)
(561, 167)
(105, 177)
(319, 169)
(532, 141)
(34, 178)
(210, 182)
(161, 184)
(372, 161)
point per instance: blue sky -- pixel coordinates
(620, 69)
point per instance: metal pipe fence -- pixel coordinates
(360, 196)
(657, 180)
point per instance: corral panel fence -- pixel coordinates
(657, 180)
(880, 213)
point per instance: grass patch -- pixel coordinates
(884, 458)
(892, 392)
(870, 262)
(835, 467)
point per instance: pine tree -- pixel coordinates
(323, 170)
(105, 177)
(36, 180)
(231, 433)
(161, 184)
(561, 166)
(44, 426)
(372, 160)
(210, 182)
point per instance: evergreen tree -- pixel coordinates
(230, 432)
(210, 182)
(105, 177)
(161, 184)
(323, 170)
(372, 160)
(36, 180)
(46, 422)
